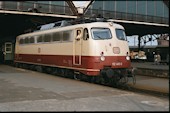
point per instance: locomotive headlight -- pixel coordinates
(127, 56)
(102, 58)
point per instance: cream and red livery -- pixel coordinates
(101, 49)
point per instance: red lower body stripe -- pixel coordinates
(89, 65)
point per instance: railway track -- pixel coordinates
(144, 91)
(122, 84)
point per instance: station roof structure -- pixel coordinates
(10, 19)
(166, 2)
(130, 26)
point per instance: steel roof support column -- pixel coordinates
(1, 5)
(73, 8)
(139, 41)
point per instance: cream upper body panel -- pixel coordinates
(90, 47)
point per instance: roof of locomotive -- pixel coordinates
(74, 26)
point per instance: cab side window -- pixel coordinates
(86, 34)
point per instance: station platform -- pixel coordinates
(145, 81)
(152, 84)
(150, 65)
(26, 90)
(151, 69)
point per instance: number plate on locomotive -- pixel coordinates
(117, 64)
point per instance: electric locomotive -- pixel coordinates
(94, 50)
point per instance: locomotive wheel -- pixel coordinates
(100, 80)
(19, 65)
(70, 73)
(88, 79)
(54, 71)
(66, 73)
(76, 76)
(48, 70)
(25, 66)
(61, 72)
(39, 68)
(124, 79)
(16, 64)
(92, 79)
(32, 67)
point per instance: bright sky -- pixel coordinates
(80, 3)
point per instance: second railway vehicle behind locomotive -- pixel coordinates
(99, 53)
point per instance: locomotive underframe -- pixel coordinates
(107, 76)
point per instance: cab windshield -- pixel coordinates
(120, 33)
(101, 33)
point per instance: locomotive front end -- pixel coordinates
(112, 49)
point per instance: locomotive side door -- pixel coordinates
(77, 46)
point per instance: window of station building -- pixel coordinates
(98, 5)
(151, 8)
(58, 9)
(108, 5)
(58, 3)
(67, 36)
(159, 8)
(43, 2)
(131, 7)
(47, 38)
(121, 6)
(10, 5)
(56, 36)
(141, 8)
